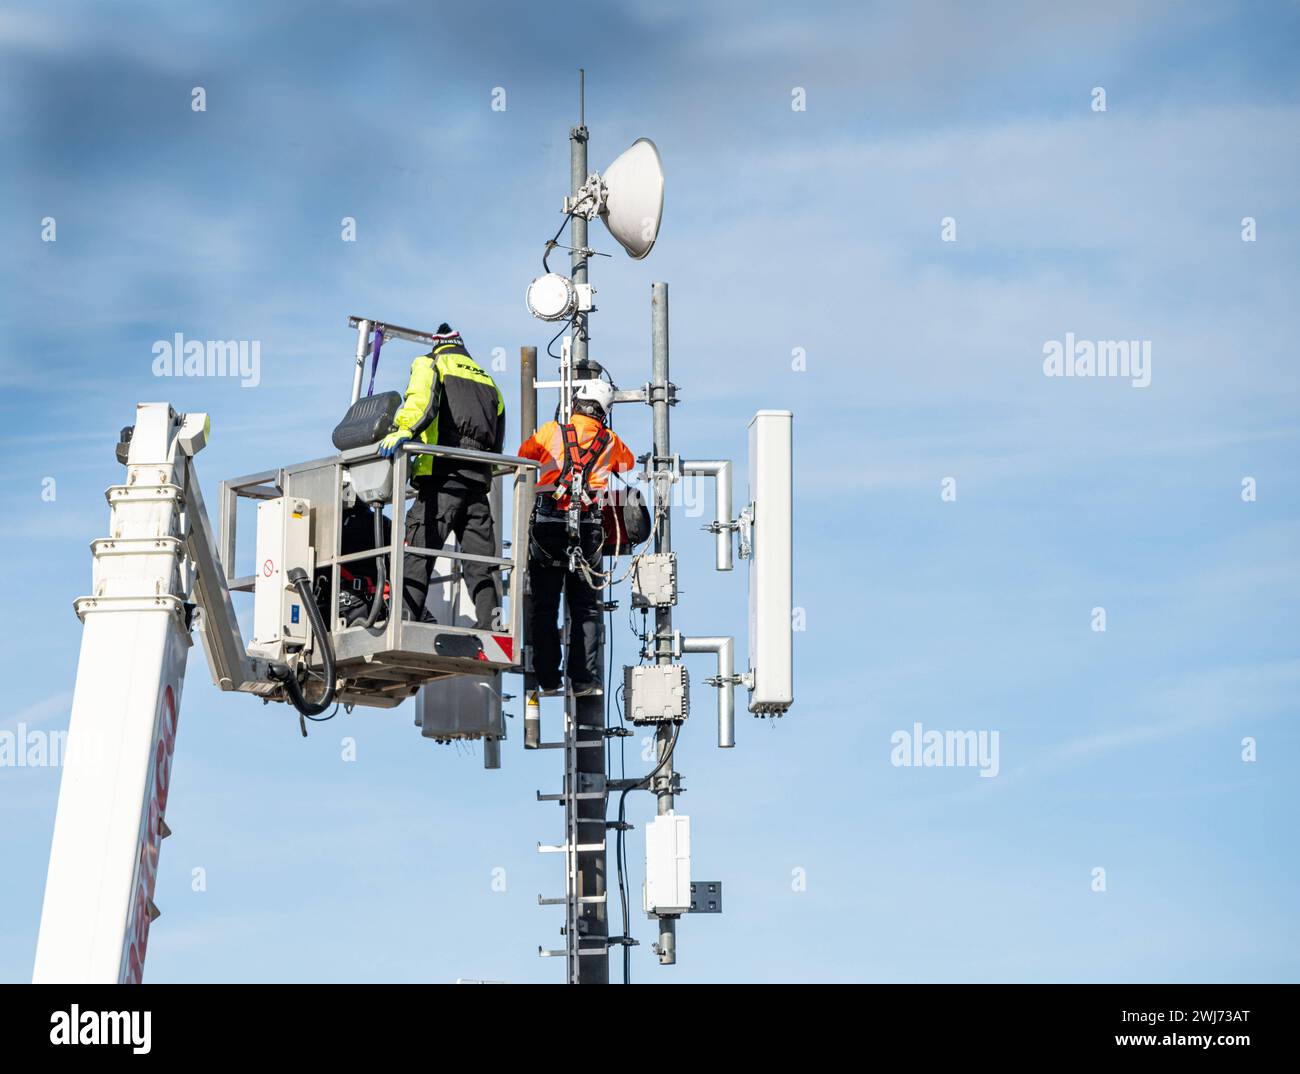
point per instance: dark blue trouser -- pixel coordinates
(443, 507)
(548, 577)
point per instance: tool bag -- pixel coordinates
(626, 519)
(367, 421)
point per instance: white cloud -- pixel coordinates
(56, 707)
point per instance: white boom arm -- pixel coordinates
(157, 577)
(154, 568)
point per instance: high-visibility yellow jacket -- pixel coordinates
(451, 401)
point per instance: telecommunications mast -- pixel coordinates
(628, 198)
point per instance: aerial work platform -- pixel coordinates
(384, 664)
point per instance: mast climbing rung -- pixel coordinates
(582, 795)
(561, 901)
(586, 744)
(581, 848)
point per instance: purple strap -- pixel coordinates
(374, 359)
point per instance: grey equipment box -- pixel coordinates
(656, 693)
(654, 580)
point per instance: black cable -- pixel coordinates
(668, 755)
(288, 676)
(563, 328)
(321, 719)
(620, 854)
(555, 241)
(622, 739)
(609, 623)
(609, 673)
(620, 863)
(377, 604)
(620, 849)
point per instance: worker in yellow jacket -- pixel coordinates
(451, 401)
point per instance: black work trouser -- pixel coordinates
(548, 577)
(442, 507)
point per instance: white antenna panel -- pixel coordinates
(771, 564)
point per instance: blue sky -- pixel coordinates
(783, 229)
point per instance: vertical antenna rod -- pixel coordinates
(519, 585)
(578, 222)
(663, 477)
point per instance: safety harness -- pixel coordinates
(572, 482)
(574, 476)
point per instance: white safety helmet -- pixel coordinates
(594, 391)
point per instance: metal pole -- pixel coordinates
(527, 392)
(519, 584)
(720, 471)
(492, 746)
(593, 918)
(363, 348)
(662, 460)
(724, 648)
(578, 233)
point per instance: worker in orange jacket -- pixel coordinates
(577, 460)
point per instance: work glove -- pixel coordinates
(392, 443)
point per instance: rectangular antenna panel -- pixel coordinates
(771, 563)
(667, 865)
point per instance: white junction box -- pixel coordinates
(667, 865)
(283, 542)
(654, 580)
(656, 693)
(771, 562)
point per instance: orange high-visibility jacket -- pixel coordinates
(547, 447)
